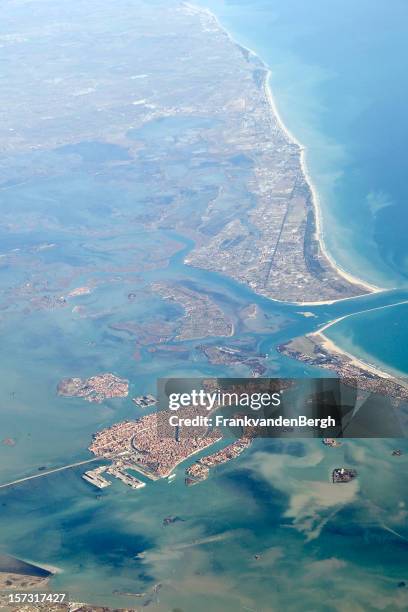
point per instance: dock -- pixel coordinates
(95, 477)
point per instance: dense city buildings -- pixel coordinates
(150, 445)
(94, 389)
(200, 470)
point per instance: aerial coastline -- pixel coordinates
(317, 349)
(155, 138)
(328, 343)
(315, 199)
(332, 347)
(351, 278)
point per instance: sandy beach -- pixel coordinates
(329, 345)
(315, 197)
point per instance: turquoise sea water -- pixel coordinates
(267, 531)
(378, 336)
(339, 77)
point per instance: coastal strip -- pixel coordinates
(311, 270)
(332, 347)
(292, 138)
(351, 278)
(318, 350)
(328, 344)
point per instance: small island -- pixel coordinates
(342, 475)
(202, 316)
(94, 389)
(235, 356)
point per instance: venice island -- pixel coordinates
(154, 446)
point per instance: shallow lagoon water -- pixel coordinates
(316, 544)
(274, 501)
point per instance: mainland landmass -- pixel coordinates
(204, 138)
(25, 578)
(200, 469)
(273, 245)
(94, 389)
(211, 161)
